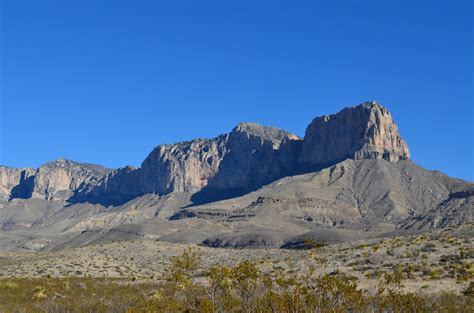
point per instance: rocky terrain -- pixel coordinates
(430, 272)
(56, 180)
(350, 178)
(363, 132)
(441, 261)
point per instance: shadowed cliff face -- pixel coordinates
(183, 167)
(56, 180)
(350, 177)
(256, 155)
(16, 182)
(366, 131)
(115, 188)
(245, 159)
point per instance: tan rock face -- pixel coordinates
(182, 167)
(56, 180)
(366, 131)
(248, 155)
(11, 178)
(245, 159)
(256, 155)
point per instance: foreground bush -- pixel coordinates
(239, 288)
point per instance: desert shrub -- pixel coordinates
(239, 287)
(313, 244)
(180, 288)
(9, 285)
(429, 247)
(334, 293)
(469, 290)
(376, 247)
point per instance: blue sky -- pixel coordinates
(106, 81)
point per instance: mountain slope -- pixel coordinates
(349, 178)
(373, 196)
(234, 163)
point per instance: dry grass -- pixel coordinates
(429, 272)
(239, 288)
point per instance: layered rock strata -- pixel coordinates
(366, 131)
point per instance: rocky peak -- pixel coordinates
(182, 167)
(55, 180)
(192, 165)
(366, 131)
(248, 157)
(72, 166)
(243, 159)
(268, 133)
(59, 179)
(256, 155)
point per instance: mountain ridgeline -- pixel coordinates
(248, 157)
(360, 179)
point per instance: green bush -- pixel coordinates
(241, 287)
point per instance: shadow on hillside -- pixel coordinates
(210, 193)
(107, 199)
(24, 190)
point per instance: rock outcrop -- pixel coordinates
(349, 178)
(250, 155)
(366, 131)
(181, 167)
(244, 159)
(56, 180)
(184, 166)
(59, 179)
(256, 155)
(229, 165)
(116, 187)
(11, 179)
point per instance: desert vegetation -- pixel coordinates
(185, 286)
(427, 272)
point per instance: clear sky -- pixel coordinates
(106, 81)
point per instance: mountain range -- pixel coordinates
(350, 177)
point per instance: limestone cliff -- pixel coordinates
(256, 155)
(55, 180)
(11, 179)
(245, 159)
(351, 173)
(184, 166)
(366, 131)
